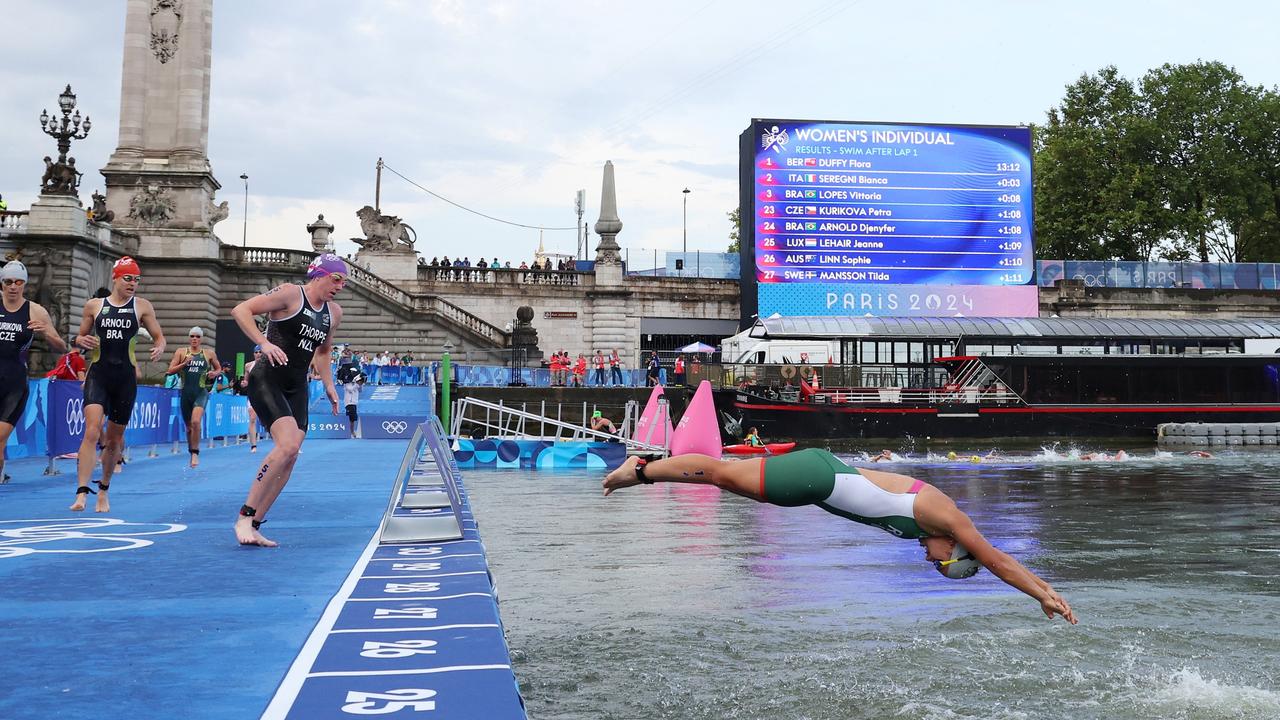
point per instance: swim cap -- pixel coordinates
(951, 455)
(961, 565)
(326, 264)
(196, 331)
(257, 348)
(975, 459)
(596, 414)
(13, 270)
(125, 266)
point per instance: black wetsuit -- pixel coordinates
(277, 391)
(15, 340)
(112, 381)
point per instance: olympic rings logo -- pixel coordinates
(75, 416)
(395, 427)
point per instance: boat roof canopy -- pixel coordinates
(988, 327)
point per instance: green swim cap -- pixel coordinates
(595, 414)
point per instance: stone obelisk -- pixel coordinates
(159, 182)
(609, 299)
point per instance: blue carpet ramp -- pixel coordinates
(414, 631)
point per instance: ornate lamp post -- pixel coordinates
(62, 177)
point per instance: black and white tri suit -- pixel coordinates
(277, 391)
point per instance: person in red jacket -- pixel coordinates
(70, 366)
(580, 370)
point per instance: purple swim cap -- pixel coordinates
(326, 264)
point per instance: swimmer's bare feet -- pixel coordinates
(623, 476)
(103, 505)
(247, 535)
(78, 505)
(195, 459)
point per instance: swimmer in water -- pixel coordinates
(1200, 454)
(884, 456)
(902, 506)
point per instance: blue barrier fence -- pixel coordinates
(502, 376)
(53, 422)
(1161, 274)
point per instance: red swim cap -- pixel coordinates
(125, 266)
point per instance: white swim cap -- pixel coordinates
(13, 270)
(196, 331)
(961, 565)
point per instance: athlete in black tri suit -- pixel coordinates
(301, 325)
(199, 366)
(20, 320)
(108, 331)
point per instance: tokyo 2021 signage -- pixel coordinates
(846, 218)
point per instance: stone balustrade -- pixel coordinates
(499, 276)
(13, 221)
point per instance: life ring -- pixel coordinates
(788, 371)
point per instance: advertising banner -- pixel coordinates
(226, 415)
(30, 435)
(389, 427)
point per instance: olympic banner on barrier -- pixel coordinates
(226, 415)
(155, 417)
(328, 426)
(30, 435)
(389, 427)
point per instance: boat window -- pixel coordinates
(867, 352)
(915, 353)
(1155, 385)
(1252, 384)
(1049, 384)
(1202, 382)
(1104, 384)
(900, 352)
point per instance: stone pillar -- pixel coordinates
(159, 182)
(320, 240)
(609, 300)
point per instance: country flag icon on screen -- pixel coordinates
(809, 242)
(811, 162)
(811, 178)
(810, 194)
(811, 226)
(810, 210)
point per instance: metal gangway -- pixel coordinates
(507, 422)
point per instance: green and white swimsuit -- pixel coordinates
(816, 477)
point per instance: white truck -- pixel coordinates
(741, 349)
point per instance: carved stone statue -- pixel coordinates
(384, 233)
(166, 23)
(218, 211)
(60, 178)
(152, 206)
(100, 212)
(53, 299)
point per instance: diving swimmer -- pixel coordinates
(902, 506)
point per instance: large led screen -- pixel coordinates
(887, 219)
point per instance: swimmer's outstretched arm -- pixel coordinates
(937, 514)
(741, 477)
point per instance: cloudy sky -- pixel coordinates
(510, 107)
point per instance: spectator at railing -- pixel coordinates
(615, 368)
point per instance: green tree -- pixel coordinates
(1184, 164)
(735, 227)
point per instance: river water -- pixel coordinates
(676, 601)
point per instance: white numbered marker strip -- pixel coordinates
(414, 632)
